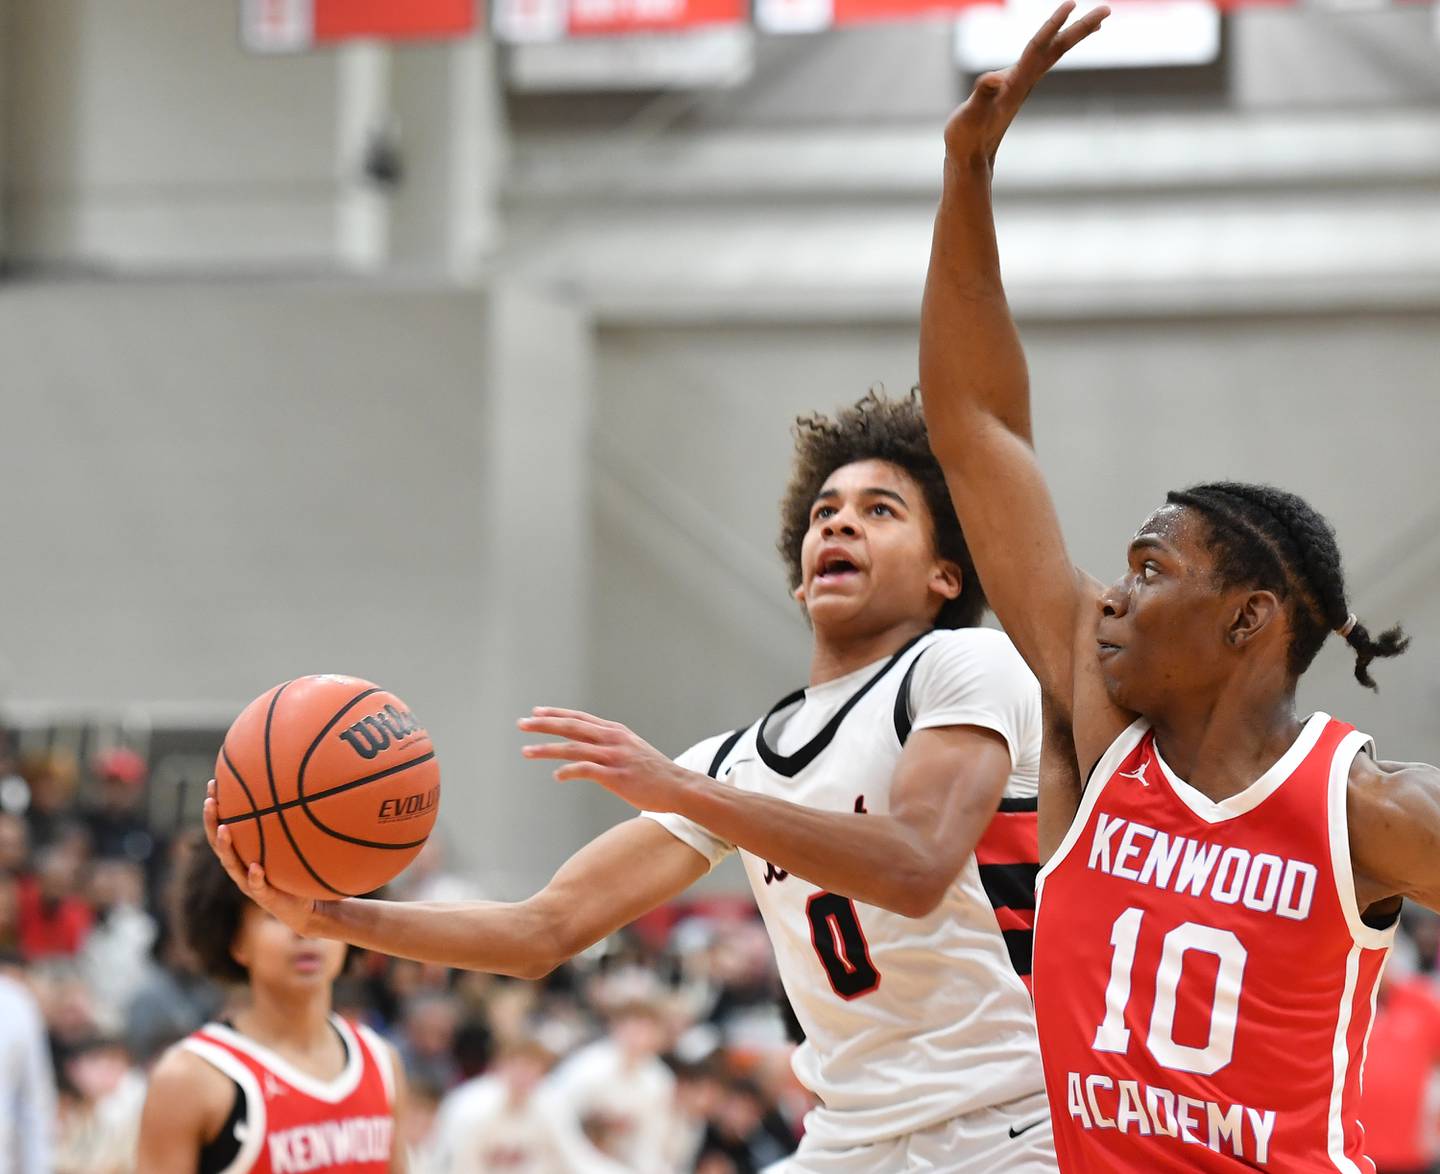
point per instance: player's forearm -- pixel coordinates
(972, 366)
(511, 939)
(876, 859)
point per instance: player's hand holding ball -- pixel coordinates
(325, 787)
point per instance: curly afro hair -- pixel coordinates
(877, 429)
(211, 910)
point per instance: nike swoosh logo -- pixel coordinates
(730, 770)
(1026, 1128)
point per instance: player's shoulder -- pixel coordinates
(183, 1079)
(980, 641)
(1382, 791)
(972, 653)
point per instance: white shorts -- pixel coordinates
(1008, 1139)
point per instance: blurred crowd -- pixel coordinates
(664, 1049)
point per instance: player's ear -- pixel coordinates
(947, 580)
(1252, 616)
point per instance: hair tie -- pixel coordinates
(1348, 626)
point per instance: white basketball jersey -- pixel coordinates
(908, 1021)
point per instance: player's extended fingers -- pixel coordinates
(1039, 45)
(578, 714)
(567, 751)
(575, 729)
(1081, 29)
(593, 771)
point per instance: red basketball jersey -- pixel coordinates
(1204, 985)
(294, 1123)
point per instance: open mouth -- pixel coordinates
(1104, 648)
(835, 567)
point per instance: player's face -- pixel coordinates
(1162, 631)
(278, 958)
(868, 561)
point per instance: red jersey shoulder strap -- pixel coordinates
(224, 1059)
(1349, 743)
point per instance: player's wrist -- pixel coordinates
(326, 919)
(689, 792)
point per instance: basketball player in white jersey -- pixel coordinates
(284, 1086)
(885, 815)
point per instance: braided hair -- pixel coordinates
(1271, 539)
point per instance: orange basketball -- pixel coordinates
(330, 783)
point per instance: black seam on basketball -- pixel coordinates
(365, 843)
(303, 802)
(325, 794)
(259, 824)
(275, 798)
(320, 737)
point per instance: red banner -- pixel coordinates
(337, 20)
(287, 26)
(608, 17)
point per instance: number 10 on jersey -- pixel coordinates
(841, 946)
(1113, 1036)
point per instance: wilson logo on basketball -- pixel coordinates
(372, 734)
(408, 807)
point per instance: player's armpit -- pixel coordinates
(186, 1103)
(1393, 810)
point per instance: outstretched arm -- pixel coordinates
(976, 392)
(946, 788)
(606, 885)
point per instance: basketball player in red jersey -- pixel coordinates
(1219, 896)
(885, 816)
(285, 1086)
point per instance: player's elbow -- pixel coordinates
(918, 899)
(533, 969)
(549, 942)
(917, 891)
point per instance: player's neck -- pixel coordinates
(838, 654)
(1223, 745)
(299, 1020)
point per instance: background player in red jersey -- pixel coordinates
(283, 1086)
(1212, 926)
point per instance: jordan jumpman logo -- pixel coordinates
(1138, 775)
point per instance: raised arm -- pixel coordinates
(976, 392)
(606, 885)
(946, 788)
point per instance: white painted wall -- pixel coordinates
(142, 133)
(212, 488)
